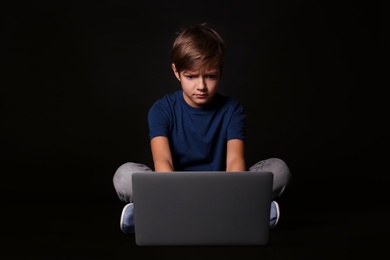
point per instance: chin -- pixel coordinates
(202, 104)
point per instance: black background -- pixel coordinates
(79, 78)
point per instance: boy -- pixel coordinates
(196, 128)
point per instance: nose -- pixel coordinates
(201, 84)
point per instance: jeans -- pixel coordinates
(123, 186)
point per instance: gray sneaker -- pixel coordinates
(274, 215)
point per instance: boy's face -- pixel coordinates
(199, 86)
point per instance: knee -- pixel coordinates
(280, 168)
(127, 169)
(279, 163)
(124, 169)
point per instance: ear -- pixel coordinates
(175, 71)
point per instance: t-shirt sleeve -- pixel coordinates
(236, 129)
(158, 120)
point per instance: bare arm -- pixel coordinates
(161, 152)
(235, 156)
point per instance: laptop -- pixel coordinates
(200, 208)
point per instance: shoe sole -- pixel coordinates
(277, 213)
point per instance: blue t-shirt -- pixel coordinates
(197, 136)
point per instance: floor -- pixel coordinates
(72, 228)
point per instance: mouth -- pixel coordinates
(202, 96)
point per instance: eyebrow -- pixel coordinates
(214, 71)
